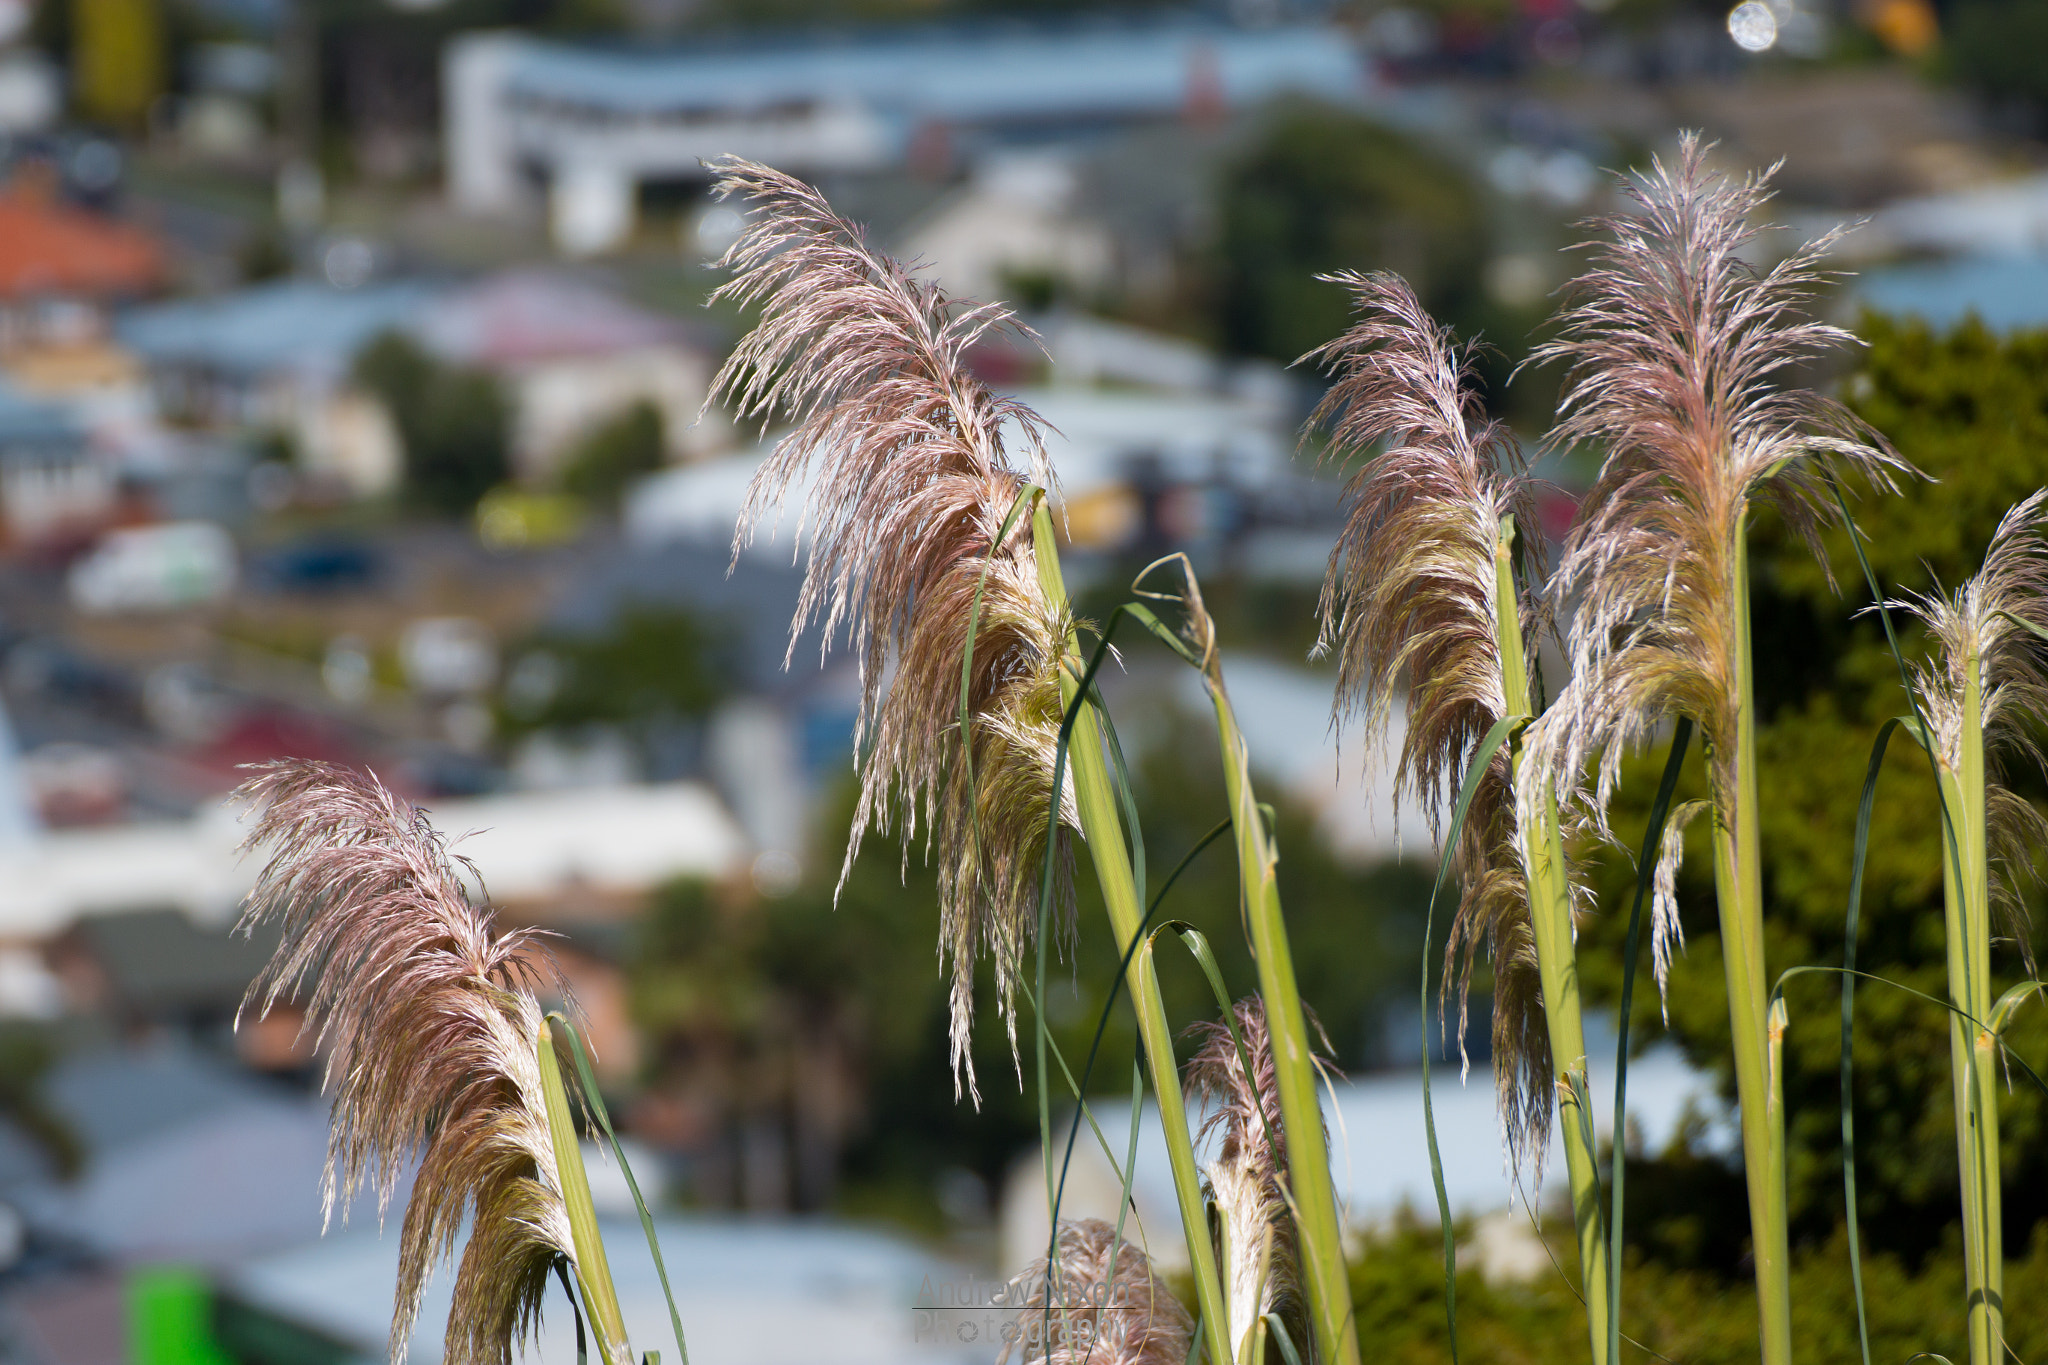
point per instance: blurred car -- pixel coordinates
(155, 568)
(318, 565)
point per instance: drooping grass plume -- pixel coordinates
(1988, 638)
(1248, 1178)
(1098, 1302)
(427, 1015)
(911, 475)
(1409, 597)
(1677, 347)
(912, 485)
(1679, 353)
(1422, 594)
(1981, 694)
(1412, 601)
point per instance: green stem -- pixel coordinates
(1095, 802)
(1968, 927)
(1301, 1112)
(1550, 919)
(593, 1272)
(1738, 888)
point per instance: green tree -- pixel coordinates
(1999, 48)
(649, 668)
(27, 1055)
(732, 987)
(1323, 189)
(1970, 409)
(605, 462)
(1678, 1314)
(452, 422)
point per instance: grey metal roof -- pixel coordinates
(953, 76)
(290, 324)
(158, 961)
(32, 426)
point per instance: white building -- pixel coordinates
(529, 846)
(587, 125)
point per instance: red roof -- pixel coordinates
(529, 315)
(52, 248)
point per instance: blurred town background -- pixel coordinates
(351, 362)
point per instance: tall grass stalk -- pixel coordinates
(1967, 929)
(1677, 349)
(1984, 684)
(1102, 829)
(1422, 589)
(1295, 1079)
(1757, 1042)
(1550, 923)
(1313, 1194)
(915, 550)
(593, 1268)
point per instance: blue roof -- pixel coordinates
(969, 77)
(2005, 291)
(291, 324)
(31, 423)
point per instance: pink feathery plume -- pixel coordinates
(1995, 623)
(1679, 354)
(428, 1019)
(1247, 1179)
(1098, 1302)
(1410, 601)
(907, 458)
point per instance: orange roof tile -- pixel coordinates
(52, 248)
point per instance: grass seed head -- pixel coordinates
(1411, 601)
(427, 1015)
(1991, 624)
(1099, 1302)
(1248, 1179)
(1680, 354)
(907, 457)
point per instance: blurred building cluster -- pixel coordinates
(353, 367)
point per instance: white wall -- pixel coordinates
(526, 845)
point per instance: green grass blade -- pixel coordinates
(1115, 990)
(1081, 1111)
(1851, 925)
(1100, 814)
(2010, 1056)
(1280, 1334)
(582, 1342)
(1125, 1205)
(1922, 732)
(1646, 866)
(593, 1272)
(1197, 944)
(1166, 635)
(2024, 624)
(1482, 757)
(2002, 1012)
(587, 1078)
(1120, 774)
(1976, 1132)
(1045, 893)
